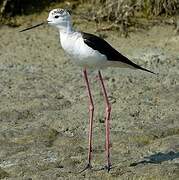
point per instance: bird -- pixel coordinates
(90, 52)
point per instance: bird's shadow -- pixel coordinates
(158, 158)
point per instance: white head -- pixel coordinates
(60, 18)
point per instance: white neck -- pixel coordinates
(66, 27)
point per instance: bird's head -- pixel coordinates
(59, 18)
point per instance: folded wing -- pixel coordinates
(105, 48)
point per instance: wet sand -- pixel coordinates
(44, 116)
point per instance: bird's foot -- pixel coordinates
(108, 167)
(88, 166)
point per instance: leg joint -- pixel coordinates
(91, 107)
(108, 108)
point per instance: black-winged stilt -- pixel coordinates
(89, 51)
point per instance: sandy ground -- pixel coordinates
(44, 116)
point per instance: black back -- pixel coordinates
(105, 48)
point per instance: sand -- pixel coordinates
(44, 107)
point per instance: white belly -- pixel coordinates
(81, 53)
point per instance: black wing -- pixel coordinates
(105, 48)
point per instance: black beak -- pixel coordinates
(32, 27)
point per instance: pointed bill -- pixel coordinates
(32, 27)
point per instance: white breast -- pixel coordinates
(81, 53)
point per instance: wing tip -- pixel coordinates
(141, 68)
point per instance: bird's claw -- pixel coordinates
(88, 166)
(107, 167)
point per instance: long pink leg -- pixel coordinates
(91, 111)
(107, 119)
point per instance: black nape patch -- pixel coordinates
(69, 11)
